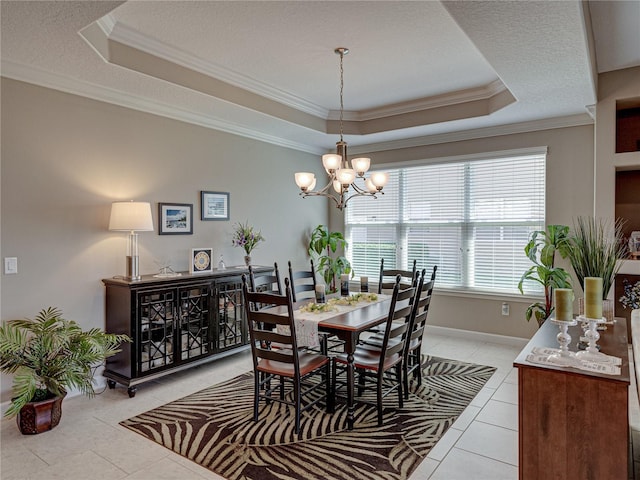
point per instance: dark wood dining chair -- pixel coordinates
(386, 282)
(265, 282)
(384, 364)
(386, 278)
(288, 367)
(269, 282)
(303, 282)
(413, 346)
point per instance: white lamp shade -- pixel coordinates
(361, 165)
(305, 179)
(379, 179)
(331, 161)
(346, 176)
(337, 187)
(370, 186)
(131, 216)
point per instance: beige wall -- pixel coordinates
(66, 158)
(569, 194)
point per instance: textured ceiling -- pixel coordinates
(417, 72)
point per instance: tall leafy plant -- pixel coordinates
(322, 245)
(541, 249)
(596, 247)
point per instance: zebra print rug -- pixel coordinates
(215, 428)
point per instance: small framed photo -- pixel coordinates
(215, 205)
(175, 219)
(200, 261)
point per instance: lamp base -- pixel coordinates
(133, 271)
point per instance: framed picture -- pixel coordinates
(215, 205)
(200, 261)
(175, 219)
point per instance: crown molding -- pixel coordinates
(30, 74)
(37, 76)
(437, 101)
(484, 132)
(134, 39)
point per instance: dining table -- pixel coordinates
(347, 325)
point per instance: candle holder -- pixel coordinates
(591, 353)
(564, 358)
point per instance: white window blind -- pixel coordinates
(471, 218)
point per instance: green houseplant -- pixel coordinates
(541, 250)
(596, 246)
(48, 355)
(321, 245)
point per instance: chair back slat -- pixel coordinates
(387, 277)
(401, 308)
(302, 282)
(421, 309)
(265, 283)
(263, 326)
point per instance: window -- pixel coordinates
(471, 218)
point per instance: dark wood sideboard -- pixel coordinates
(573, 424)
(174, 323)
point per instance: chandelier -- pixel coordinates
(342, 185)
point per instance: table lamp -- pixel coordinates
(131, 217)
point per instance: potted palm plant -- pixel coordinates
(595, 250)
(46, 356)
(321, 245)
(541, 250)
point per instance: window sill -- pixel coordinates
(513, 297)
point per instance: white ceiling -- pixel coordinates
(418, 72)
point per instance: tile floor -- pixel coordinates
(481, 445)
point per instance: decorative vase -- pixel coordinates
(247, 260)
(38, 417)
(635, 315)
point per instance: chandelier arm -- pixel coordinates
(366, 194)
(337, 200)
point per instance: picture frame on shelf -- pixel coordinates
(201, 260)
(175, 219)
(214, 205)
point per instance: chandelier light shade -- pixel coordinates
(131, 217)
(342, 177)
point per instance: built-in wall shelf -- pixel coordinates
(627, 208)
(628, 125)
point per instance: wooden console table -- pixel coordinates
(573, 424)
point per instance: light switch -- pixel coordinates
(10, 265)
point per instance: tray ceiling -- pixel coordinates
(417, 72)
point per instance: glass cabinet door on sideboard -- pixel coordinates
(174, 326)
(232, 327)
(174, 323)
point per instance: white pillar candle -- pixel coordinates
(344, 285)
(593, 297)
(563, 302)
(320, 294)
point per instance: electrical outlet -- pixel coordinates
(505, 309)
(10, 265)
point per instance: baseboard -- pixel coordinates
(477, 336)
(99, 385)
